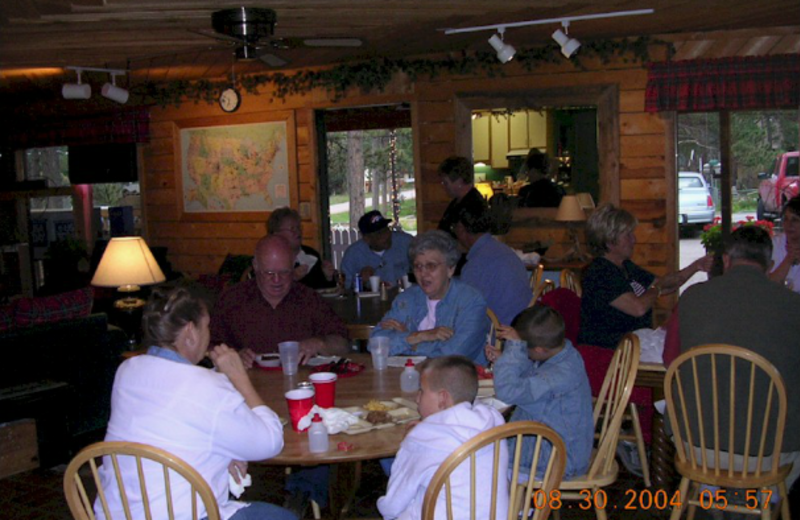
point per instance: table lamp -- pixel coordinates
(127, 263)
(570, 211)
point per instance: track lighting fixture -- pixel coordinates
(84, 91)
(76, 90)
(113, 92)
(505, 52)
(568, 45)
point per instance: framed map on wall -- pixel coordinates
(235, 169)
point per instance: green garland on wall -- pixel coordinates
(375, 75)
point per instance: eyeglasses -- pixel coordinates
(279, 275)
(429, 267)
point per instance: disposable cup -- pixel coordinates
(375, 283)
(299, 402)
(324, 388)
(290, 356)
(406, 282)
(379, 348)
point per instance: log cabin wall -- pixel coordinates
(642, 182)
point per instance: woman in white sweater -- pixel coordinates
(212, 419)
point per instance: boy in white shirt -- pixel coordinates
(448, 387)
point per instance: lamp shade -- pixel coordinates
(127, 261)
(570, 210)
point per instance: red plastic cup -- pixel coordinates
(325, 388)
(300, 402)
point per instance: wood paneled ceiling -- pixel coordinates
(158, 40)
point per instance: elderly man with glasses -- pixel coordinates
(255, 315)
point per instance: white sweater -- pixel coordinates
(191, 412)
(425, 448)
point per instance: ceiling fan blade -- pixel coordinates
(272, 60)
(332, 42)
(216, 35)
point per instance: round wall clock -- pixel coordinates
(230, 99)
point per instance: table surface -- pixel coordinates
(350, 391)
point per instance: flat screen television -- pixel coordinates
(102, 163)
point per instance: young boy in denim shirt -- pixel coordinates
(543, 374)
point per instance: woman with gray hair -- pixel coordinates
(618, 295)
(439, 315)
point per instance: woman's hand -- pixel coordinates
(435, 334)
(704, 263)
(328, 270)
(239, 465)
(228, 361)
(392, 324)
(248, 357)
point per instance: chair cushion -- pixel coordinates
(68, 305)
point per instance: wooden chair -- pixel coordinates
(536, 277)
(80, 504)
(609, 409)
(521, 495)
(545, 287)
(570, 280)
(713, 391)
(491, 337)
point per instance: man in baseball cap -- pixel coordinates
(380, 251)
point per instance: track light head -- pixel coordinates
(505, 52)
(568, 45)
(113, 92)
(76, 90)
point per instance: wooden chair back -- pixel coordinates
(521, 488)
(572, 281)
(612, 402)
(491, 337)
(714, 393)
(545, 287)
(81, 506)
(536, 277)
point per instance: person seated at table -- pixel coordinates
(255, 315)
(618, 295)
(786, 248)
(439, 315)
(492, 267)
(543, 374)
(212, 419)
(309, 268)
(540, 192)
(448, 387)
(380, 251)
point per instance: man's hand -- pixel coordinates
(248, 357)
(241, 466)
(328, 269)
(366, 273)
(309, 348)
(392, 324)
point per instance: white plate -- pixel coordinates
(322, 360)
(495, 403)
(268, 360)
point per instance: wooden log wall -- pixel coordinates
(643, 184)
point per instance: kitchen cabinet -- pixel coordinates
(495, 134)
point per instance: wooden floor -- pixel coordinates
(38, 495)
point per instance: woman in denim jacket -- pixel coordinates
(439, 315)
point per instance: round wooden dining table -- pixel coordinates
(356, 390)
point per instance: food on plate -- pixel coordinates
(375, 406)
(378, 417)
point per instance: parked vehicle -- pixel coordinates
(778, 186)
(695, 204)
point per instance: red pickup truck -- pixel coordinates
(778, 186)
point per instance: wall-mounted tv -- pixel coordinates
(102, 163)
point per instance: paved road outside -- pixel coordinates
(691, 249)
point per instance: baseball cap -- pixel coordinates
(371, 222)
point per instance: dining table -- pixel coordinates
(345, 460)
(361, 312)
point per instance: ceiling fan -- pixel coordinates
(251, 30)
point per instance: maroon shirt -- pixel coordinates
(242, 318)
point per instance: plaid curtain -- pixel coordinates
(757, 82)
(123, 127)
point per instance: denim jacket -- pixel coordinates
(555, 392)
(463, 309)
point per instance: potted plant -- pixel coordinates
(711, 238)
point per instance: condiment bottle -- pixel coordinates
(409, 379)
(385, 291)
(317, 435)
